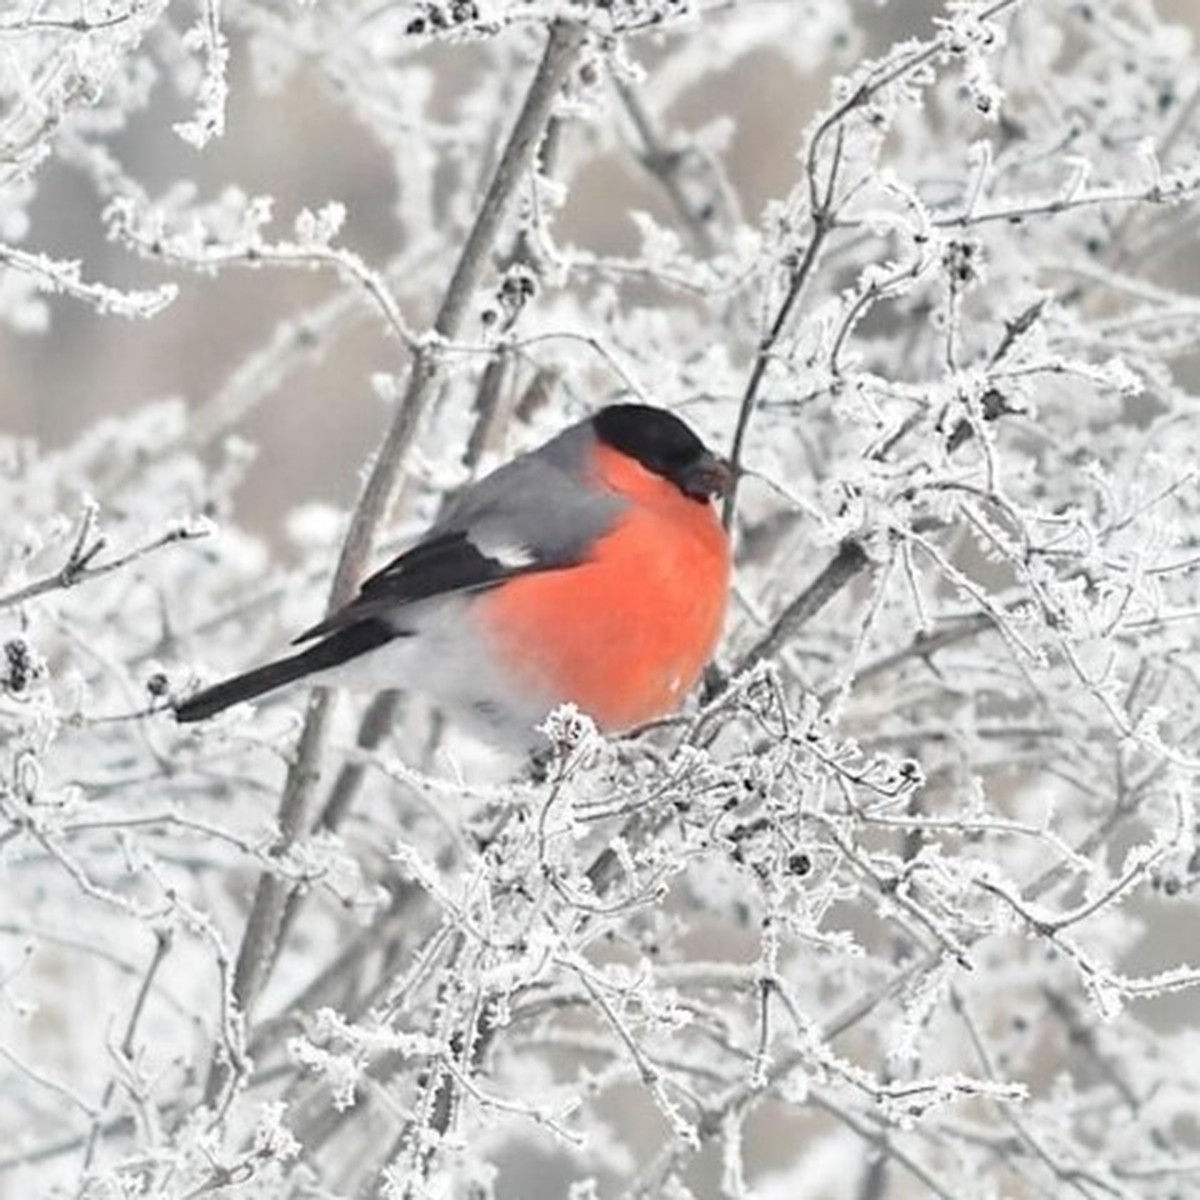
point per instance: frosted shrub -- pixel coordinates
(903, 905)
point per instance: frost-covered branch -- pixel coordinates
(910, 881)
(80, 565)
(50, 275)
(259, 941)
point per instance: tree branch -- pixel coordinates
(79, 569)
(849, 561)
(260, 941)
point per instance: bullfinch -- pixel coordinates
(593, 569)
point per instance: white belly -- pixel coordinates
(446, 660)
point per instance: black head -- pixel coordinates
(662, 443)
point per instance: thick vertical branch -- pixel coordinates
(260, 941)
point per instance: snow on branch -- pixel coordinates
(899, 904)
(53, 276)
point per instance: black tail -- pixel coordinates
(344, 645)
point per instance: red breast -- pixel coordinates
(626, 634)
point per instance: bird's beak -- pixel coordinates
(710, 475)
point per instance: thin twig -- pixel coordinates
(79, 567)
(822, 221)
(665, 163)
(162, 946)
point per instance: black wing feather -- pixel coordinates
(332, 652)
(448, 563)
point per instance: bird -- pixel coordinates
(593, 570)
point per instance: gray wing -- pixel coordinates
(533, 514)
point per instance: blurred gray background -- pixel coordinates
(300, 146)
(304, 149)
